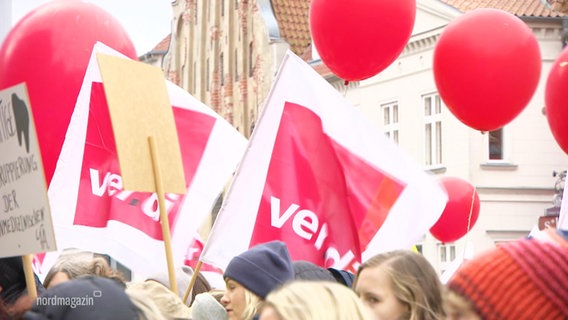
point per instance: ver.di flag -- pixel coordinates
(319, 176)
(91, 209)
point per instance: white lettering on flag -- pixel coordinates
(320, 177)
(91, 209)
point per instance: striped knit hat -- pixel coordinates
(524, 279)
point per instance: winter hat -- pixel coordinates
(305, 270)
(168, 303)
(523, 279)
(262, 268)
(183, 278)
(206, 307)
(88, 297)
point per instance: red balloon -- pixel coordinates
(49, 50)
(462, 199)
(487, 66)
(556, 99)
(357, 39)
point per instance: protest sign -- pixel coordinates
(25, 219)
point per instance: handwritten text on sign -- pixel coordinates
(25, 220)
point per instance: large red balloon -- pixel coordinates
(556, 99)
(487, 66)
(463, 200)
(49, 50)
(356, 39)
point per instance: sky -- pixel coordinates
(147, 22)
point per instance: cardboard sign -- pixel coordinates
(139, 108)
(25, 219)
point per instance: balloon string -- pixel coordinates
(345, 86)
(469, 221)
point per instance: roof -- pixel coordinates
(520, 8)
(294, 25)
(293, 21)
(162, 45)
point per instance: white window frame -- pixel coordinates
(504, 147)
(445, 254)
(433, 144)
(390, 113)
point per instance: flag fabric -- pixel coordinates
(194, 252)
(320, 177)
(91, 209)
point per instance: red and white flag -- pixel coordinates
(92, 211)
(320, 177)
(193, 253)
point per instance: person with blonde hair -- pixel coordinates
(250, 276)
(400, 284)
(313, 300)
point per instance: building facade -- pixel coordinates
(511, 169)
(227, 53)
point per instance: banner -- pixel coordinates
(320, 177)
(25, 218)
(94, 212)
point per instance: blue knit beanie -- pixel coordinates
(262, 268)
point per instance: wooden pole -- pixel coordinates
(30, 277)
(163, 214)
(192, 282)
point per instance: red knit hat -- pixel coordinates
(524, 279)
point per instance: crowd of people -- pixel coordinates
(522, 279)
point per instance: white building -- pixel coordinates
(225, 52)
(516, 186)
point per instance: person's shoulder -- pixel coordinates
(344, 277)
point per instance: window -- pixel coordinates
(495, 144)
(222, 69)
(446, 254)
(194, 78)
(207, 75)
(497, 155)
(195, 15)
(236, 66)
(433, 129)
(251, 67)
(390, 120)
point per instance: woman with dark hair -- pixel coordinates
(14, 299)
